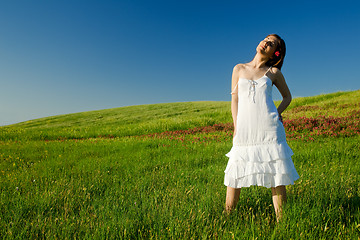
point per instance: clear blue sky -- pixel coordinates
(59, 57)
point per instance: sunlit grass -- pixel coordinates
(83, 181)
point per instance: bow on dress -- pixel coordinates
(252, 88)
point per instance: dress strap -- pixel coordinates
(233, 91)
(267, 70)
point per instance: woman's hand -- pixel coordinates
(280, 118)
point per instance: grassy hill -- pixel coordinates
(107, 175)
(145, 119)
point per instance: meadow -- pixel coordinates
(156, 172)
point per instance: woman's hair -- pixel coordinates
(277, 61)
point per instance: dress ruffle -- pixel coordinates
(267, 165)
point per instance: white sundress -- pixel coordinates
(260, 154)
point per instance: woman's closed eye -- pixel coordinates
(271, 44)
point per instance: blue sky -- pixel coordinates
(59, 57)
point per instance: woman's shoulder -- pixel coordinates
(275, 70)
(275, 74)
(240, 66)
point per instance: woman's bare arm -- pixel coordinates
(279, 82)
(234, 95)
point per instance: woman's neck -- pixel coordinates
(259, 61)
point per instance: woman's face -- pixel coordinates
(268, 46)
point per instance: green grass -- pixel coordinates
(59, 180)
(333, 104)
(144, 119)
(124, 121)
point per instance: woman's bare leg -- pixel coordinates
(279, 199)
(232, 198)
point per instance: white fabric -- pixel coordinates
(260, 154)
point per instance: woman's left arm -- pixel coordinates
(279, 82)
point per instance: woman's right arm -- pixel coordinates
(234, 95)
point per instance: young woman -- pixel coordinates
(260, 154)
